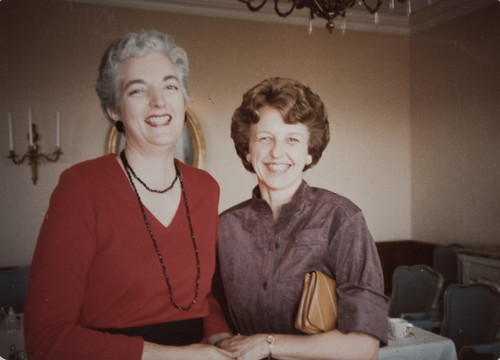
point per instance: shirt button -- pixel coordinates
(264, 285)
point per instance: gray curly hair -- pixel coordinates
(133, 45)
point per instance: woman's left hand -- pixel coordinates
(248, 347)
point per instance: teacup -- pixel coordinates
(399, 328)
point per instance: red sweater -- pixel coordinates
(95, 265)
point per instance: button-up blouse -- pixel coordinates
(263, 262)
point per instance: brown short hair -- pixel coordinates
(296, 102)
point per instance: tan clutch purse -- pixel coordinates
(318, 304)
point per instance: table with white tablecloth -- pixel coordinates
(419, 345)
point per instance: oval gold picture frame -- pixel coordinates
(191, 145)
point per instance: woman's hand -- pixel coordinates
(192, 352)
(209, 352)
(328, 345)
(247, 347)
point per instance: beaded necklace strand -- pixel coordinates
(128, 170)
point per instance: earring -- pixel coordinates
(120, 127)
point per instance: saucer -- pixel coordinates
(409, 335)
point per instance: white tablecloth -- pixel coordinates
(419, 345)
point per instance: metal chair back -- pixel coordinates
(415, 289)
(471, 314)
(13, 283)
(445, 261)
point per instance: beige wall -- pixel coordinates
(372, 85)
(455, 127)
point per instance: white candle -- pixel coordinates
(30, 127)
(11, 137)
(58, 133)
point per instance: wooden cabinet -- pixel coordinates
(480, 265)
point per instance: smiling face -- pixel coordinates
(152, 106)
(278, 152)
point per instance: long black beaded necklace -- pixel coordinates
(128, 170)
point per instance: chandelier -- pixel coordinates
(326, 9)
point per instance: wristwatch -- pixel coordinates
(271, 340)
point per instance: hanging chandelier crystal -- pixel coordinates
(326, 9)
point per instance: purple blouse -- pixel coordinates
(263, 263)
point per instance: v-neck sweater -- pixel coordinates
(95, 265)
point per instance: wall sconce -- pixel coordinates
(32, 155)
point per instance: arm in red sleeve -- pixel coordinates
(58, 281)
(214, 322)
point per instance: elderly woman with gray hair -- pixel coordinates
(125, 257)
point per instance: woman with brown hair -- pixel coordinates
(267, 243)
